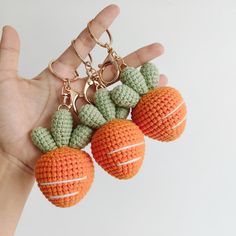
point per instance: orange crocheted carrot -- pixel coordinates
(118, 147)
(118, 144)
(161, 114)
(64, 175)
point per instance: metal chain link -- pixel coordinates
(91, 72)
(66, 95)
(115, 56)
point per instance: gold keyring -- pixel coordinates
(89, 83)
(104, 45)
(78, 55)
(102, 69)
(76, 74)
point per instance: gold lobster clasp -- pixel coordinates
(108, 62)
(91, 83)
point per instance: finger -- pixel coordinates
(9, 51)
(68, 61)
(137, 59)
(144, 55)
(163, 81)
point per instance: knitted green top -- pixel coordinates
(108, 105)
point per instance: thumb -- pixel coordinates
(9, 51)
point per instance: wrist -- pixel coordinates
(16, 181)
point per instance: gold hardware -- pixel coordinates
(76, 74)
(112, 58)
(93, 76)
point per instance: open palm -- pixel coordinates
(25, 104)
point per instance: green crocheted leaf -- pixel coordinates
(124, 96)
(151, 75)
(134, 79)
(122, 113)
(104, 104)
(42, 138)
(89, 115)
(81, 136)
(61, 128)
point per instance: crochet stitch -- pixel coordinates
(64, 174)
(90, 115)
(148, 109)
(122, 113)
(118, 147)
(164, 118)
(42, 138)
(104, 103)
(151, 75)
(118, 144)
(62, 124)
(81, 136)
(124, 96)
(134, 79)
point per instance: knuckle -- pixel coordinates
(100, 24)
(9, 49)
(85, 40)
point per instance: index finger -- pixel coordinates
(66, 64)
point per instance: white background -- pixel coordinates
(185, 188)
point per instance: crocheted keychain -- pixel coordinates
(118, 144)
(159, 112)
(64, 172)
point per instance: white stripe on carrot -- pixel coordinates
(130, 161)
(173, 111)
(175, 126)
(63, 196)
(125, 147)
(63, 181)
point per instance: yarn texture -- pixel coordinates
(42, 138)
(81, 136)
(118, 147)
(122, 113)
(64, 175)
(134, 79)
(151, 103)
(150, 74)
(104, 104)
(163, 118)
(124, 96)
(62, 124)
(118, 144)
(90, 116)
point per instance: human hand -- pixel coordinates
(25, 104)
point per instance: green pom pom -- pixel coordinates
(124, 96)
(134, 79)
(89, 115)
(150, 74)
(42, 138)
(62, 124)
(104, 104)
(81, 136)
(122, 113)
